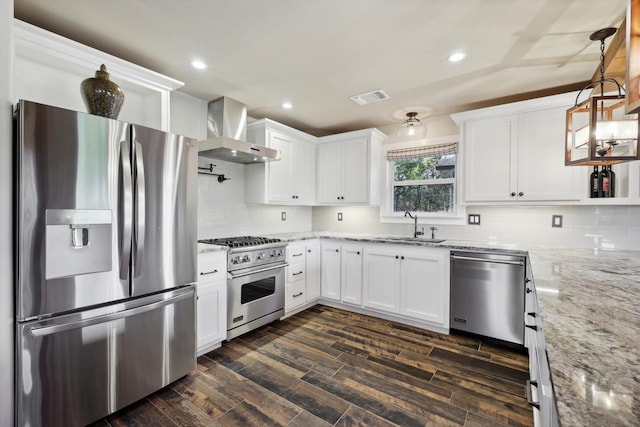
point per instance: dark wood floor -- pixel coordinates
(327, 366)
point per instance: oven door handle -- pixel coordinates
(232, 275)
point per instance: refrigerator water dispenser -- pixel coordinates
(77, 242)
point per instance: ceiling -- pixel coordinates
(316, 54)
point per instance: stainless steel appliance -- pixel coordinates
(106, 263)
(487, 295)
(227, 134)
(255, 282)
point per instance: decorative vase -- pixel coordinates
(102, 96)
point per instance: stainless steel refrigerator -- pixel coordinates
(106, 263)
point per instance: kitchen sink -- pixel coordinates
(415, 239)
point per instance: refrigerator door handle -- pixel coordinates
(139, 208)
(126, 210)
(50, 330)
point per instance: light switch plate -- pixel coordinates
(283, 216)
(556, 221)
(339, 216)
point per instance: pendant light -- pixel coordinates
(412, 127)
(598, 131)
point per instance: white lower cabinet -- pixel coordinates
(330, 270)
(303, 274)
(424, 284)
(351, 274)
(211, 289)
(539, 386)
(412, 282)
(381, 265)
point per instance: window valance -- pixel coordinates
(423, 151)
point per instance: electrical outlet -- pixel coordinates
(339, 216)
(473, 219)
(283, 216)
(556, 221)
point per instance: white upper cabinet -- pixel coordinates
(348, 168)
(515, 153)
(290, 180)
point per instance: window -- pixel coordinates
(424, 179)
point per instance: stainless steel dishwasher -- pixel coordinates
(487, 295)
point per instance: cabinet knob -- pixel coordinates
(397, 257)
(402, 257)
(513, 194)
(338, 197)
(342, 197)
(309, 250)
(358, 253)
(337, 250)
(521, 194)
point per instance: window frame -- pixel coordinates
(388, 215)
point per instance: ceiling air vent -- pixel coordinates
(369, 97)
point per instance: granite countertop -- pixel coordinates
(590, 307)
(206, 247)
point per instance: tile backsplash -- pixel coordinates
(604, 227)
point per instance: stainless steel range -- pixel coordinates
(255, 281)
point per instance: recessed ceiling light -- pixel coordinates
(198, 64)
(287, 105)
(456, 57)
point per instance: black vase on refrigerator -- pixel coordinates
(106, 263)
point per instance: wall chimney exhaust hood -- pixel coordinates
(227, 134)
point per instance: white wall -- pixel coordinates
(604, 227)
(6, 215)
(222, 211)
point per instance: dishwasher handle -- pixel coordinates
(495, 261)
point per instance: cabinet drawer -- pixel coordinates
(296, 272)
(295, 254)
(294, 295)
(212, 266)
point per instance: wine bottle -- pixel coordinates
(612, 181)
(593, 183)
(603, 181)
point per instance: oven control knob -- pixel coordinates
(279, 252)
(246, 258)
(273, 254)
(260, 256)
(235, 260)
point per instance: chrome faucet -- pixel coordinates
(416, 233)
(433, 233)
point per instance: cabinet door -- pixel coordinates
(542, 174)
(490, 160)
(329, 173)
(351, 277)
(281, 172)
(381, 278)
(355, 171)
(304, 173)
(212, 314)
(331, 270)
(313, 270)
(424, 285)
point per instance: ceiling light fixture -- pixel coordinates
(456, 57)
(598, 131)
(412, 127)
(198, 64)
(287, 105)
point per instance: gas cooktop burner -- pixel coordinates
(239, 242)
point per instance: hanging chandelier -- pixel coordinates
(412, 127)
(598, 131)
